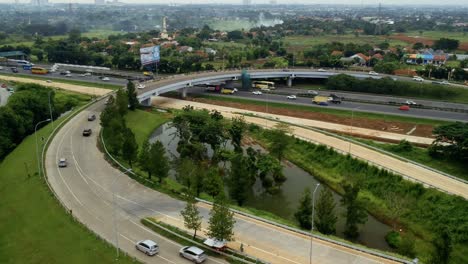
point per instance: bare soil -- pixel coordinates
(421, 130)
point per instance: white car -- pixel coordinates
(68, 75)
(86, 74)
(321, 70)
(193, 254)
(1, 68)
(292, 97)
(148, 247)
(141, 86)
(409, 102)
(445, 83)
(418, 79)
(312, 92)
(105, 79)
(257, 93)
(62, 163)
(373, 73)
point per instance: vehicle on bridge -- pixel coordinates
(39, 70)
(264, 85)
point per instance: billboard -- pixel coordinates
(149, 55)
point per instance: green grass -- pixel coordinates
(75, 82)
(16, 40)
(425, 209)
(296, 43)
(230, 25)
(34, 227)
(143, 123)
(420, 155)
(345, 113)
(462, 37)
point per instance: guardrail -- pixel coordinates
(208, 248)
(368, 251)
(373, 148)
(308, 234)
(46, 179)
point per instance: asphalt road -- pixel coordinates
(75, 76)
(347, 105)
(86, 184)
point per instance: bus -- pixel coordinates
(264, 85)
(38, 70)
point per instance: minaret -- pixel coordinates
(164, 26)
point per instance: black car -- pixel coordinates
(87, 132)
(14, 69)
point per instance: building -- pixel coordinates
(99, 2)
(247, 2)
(428, 56)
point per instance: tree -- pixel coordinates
(213, 183)
(159, 164)
(446, 44)
(386, 67)
(143, 158)
(74, 35)
(443, 248)
(451, 141)
(418, 46)
(355, 212)
(325, 219)
(236, 131)
(279, 140)
(121, 102)
(303, 214)
(221, 223)
(192, 217)
(132, 96)
(239, 183)
(129, 147)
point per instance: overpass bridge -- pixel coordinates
(184, 82)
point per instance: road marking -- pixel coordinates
(60, 173)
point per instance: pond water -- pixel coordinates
(284, 203)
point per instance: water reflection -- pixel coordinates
(285, 202)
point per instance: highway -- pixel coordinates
(86, 187)
(345, 105)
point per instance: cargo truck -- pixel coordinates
(320, 100)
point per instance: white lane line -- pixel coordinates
(60, 173)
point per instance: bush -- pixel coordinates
(403, 146)
(393, 239)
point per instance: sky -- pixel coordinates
(365, 2)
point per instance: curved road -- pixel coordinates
(86, 184)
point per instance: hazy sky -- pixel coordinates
(372, 2)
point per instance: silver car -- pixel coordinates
(193, 253)
(62, 163)
(148, 247)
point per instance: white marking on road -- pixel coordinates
(60, 173)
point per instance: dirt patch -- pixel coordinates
(382, 125)
(425, 41)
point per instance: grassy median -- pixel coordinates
(34, 227)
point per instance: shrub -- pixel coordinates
(393, 239)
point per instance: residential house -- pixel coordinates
(427, 56)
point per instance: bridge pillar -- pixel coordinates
(290, 81)
(183, 92)
(146, 102)
(229, 84)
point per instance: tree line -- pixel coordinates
(388, 86)
(25, 108)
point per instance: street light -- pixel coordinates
(50, 110)
(37, 147)
(114, 213)
(312, 229)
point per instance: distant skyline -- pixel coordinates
(353, 2)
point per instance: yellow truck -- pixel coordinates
(227, 91)
(320, 100)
